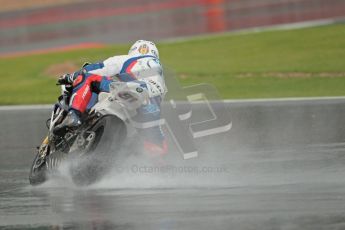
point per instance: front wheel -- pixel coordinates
(38, 171)
(42, 165)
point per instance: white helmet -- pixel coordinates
(142, 47)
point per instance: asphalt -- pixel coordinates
(280, 166)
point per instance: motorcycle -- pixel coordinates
(96, 142)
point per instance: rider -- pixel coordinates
(94, 78)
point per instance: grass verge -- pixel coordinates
(290, 63)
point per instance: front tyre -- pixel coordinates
(38, 171)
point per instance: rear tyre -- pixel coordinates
(110, 134)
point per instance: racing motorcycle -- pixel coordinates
(96, 142)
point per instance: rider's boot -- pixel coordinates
(72, 121)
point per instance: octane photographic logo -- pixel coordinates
(188, 113)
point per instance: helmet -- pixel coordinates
(142, 47)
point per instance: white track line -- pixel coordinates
(280, 27)
(287, 99)
(25, 107)
(230, 101)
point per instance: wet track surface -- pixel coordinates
(288, 179)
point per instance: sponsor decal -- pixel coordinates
(85, 92)
(144, 49)
(156, 85)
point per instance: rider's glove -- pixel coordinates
(65, 79)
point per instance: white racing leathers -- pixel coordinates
(145, 73)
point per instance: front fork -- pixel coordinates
(44, 147)
(42, 153)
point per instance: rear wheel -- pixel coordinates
(110, 132)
